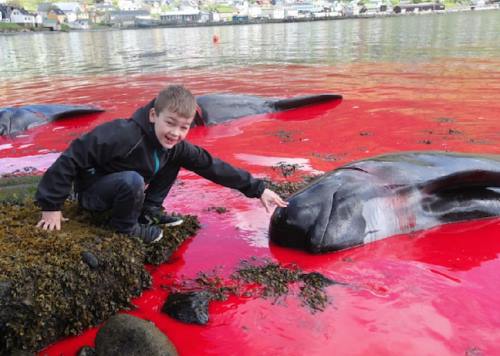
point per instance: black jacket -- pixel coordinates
(131, 145)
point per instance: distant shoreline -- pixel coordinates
(26, 30)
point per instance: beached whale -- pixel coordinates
(218, 108)
(17, 119)
(212, 109)
(387, 195)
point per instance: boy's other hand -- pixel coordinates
(270, 198)
(51, 220)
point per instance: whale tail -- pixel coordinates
(17, 119)
(293, 103)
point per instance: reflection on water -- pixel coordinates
(401, 39)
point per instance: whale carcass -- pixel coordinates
(375, 198)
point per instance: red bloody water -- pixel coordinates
(430, 293)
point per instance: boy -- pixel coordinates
(129, 166)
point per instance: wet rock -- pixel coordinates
(90, 259)
(86, 351)
(131, 336)
(190, 307)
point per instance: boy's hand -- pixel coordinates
(270, 198)
(51, 220)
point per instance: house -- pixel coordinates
(72, 10)
(180, 16)
(21, 16)
(57, 15)
(80, 24)
(5, 13)
(129, 5)
(124, 18)
(103, 7)
(275, 13)
(53, 25)
(44, 8)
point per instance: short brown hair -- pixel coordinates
(177, 99)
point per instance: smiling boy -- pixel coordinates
(129, 165)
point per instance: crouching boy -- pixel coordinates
(129, 165)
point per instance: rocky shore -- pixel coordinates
(55, 284)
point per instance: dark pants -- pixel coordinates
(123, 193)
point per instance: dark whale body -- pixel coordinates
(217, 108)
(214, 109)
(388, 195)
(16, 119)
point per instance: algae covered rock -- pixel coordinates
(47, 290)
(128, 335)
(59, 283)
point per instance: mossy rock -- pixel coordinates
(59, 283)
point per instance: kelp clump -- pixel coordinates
(261, 278)
(275, 280)
(59, 283)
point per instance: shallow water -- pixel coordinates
(427, 82)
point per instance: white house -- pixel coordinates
(188, 15)
(22, 16)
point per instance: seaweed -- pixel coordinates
(286, 169)
(286, 189)
(265, 279)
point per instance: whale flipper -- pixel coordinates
(218, 108)
(17, 119)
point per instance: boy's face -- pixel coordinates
(170, 127)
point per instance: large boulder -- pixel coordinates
(127, 335)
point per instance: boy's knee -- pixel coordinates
(132, 181)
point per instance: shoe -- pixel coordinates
(147, 233)
(158, 217)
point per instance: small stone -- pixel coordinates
(190, 307)
(86, 351)
(90, 259)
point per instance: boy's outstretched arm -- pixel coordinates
(270, 198)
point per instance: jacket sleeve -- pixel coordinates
(93, 149)
(198, 160)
